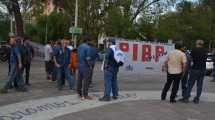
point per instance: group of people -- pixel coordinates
(21, 55)
(62, 62)
(185, 67)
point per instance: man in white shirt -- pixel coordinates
(175, 65)
(48, 52)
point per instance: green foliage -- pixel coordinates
(4, 30)
(57, 27)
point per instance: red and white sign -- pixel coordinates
(144, 57)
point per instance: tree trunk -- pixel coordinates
(18, 18)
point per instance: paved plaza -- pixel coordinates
(139, 100)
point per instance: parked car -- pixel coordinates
(209, 64)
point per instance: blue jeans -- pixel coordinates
(110, 83)
(195, 76)
(64, 71)
(15, 75)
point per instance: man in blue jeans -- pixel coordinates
(111, 69)
(198, 57)
(15, 74)
(62, 63)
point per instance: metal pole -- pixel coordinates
(76, 23)
(46, 37)
(11, 23)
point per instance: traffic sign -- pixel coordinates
(75, 30)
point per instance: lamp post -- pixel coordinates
(76, 23)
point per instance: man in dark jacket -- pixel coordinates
(111, 68)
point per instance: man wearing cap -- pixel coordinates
(111, 68)
(85, 65)
(15, 68)
(198, 57)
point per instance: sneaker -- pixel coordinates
(104, 99)
(24, 89)
(196, 100)
(4, 91)
(114, 97)
(88, 98)
(184, 100)
(172, 101)
(27, 84)
(82, 98)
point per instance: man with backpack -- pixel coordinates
(114, 58)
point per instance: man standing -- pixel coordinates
(94, 56)
(29, 57)
(185, 77)
(111, 68)
(199, 58)
(175, 64)
(62, 64)
(16, 68)
(48, 59)
(84, 68)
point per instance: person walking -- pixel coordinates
(48, 52)
(84, 68)
(29, 57)
(111, 68)
(175, 64)
(199, 58)
(16, 67)
(62, 64)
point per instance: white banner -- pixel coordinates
(143, 57)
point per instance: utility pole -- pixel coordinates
(76, 23)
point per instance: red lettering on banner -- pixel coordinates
(124, 47)
(135, 52)
(159, 52)
(146, 53)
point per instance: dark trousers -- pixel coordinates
(27, 68)
(184, 82)
(91, 74)
(171, 79)
(195, 76)
(83, 81)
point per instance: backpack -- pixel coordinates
(24, 54)
(119, 55)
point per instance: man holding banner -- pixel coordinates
(114, 58)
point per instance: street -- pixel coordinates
(140, 100)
